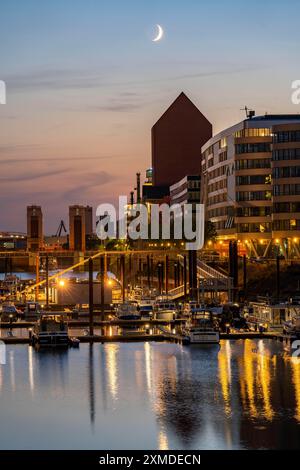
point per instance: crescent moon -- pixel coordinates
(159, 34)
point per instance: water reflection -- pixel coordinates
(111, 352)
(243, 394)
(91, 384)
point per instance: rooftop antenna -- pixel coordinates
(250, 113)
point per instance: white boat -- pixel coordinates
(194, 306)
(51, 331)
(165, 310)
(166, 315)
(128, 311)
(200, 328)
(271, 315)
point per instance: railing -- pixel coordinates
(208, 271)
(177, 292)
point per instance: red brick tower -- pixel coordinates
(177, 138)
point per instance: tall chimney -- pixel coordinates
(131, 198)
(138, 188)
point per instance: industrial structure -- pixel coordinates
(35, 235)
(80, 225)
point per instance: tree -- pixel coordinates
(210, 232)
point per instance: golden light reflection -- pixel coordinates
(30, 369)
(249, 369)
(224, 360)
(112, 351)
(295, 364)
(147, 349)
(265, 379)
(163, 443)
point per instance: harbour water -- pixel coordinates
(242, 395)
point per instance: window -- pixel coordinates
(223, 156)
(253, 164)
(223, 143)
(253, 211)
(253, 179)
(286, 189)
(263, 132)
(252, 228)
(281, 225)
(253, 148)
(253, 195)
(287, 136)
(287, 172)
(286, 154)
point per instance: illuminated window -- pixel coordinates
(263, 132)
(223, 143)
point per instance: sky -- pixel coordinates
(85, 83)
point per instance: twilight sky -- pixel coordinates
(85, 83)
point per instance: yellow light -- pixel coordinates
(61, 283)
(261, 242)
(210, 242)
(109, 282)
(295, 240)
(277, 240)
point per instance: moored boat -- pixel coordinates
(200, 328)
(51, 331)
(128, 311)
(32, 310)
(9, 312)
(165, 310)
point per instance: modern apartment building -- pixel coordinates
(251, 184)
(186, 191)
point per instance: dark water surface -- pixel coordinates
(243, 394)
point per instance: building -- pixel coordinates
(153, 194)
(176, 138)
(251, 184)
(35, 237)
(72, 292)
(186, 191)
(12, 241)
(80, 225)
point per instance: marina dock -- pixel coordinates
(163, 336)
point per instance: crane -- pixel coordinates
(61, 228)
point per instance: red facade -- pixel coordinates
(177, 138)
